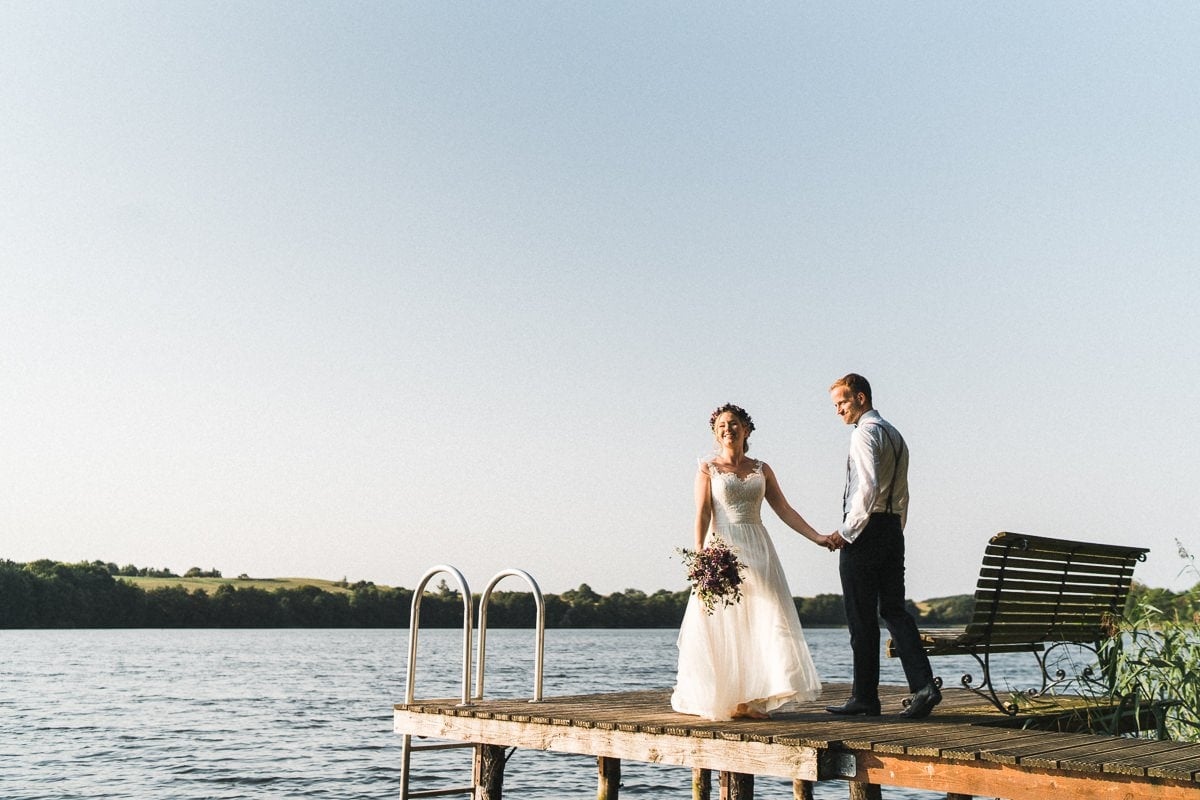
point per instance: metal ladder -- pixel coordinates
(414, 624)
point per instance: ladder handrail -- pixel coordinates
(539, 630)
(414, 626)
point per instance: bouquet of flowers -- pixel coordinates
(714, 572)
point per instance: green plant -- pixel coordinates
(1154, 658)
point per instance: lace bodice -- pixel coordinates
(737, 500)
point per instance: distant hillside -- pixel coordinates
(948, 610)
(953, 610)
(97, 594)
(266, 584)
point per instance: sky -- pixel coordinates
(352, 290)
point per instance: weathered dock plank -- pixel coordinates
(1182, 768)
(962, 743)
(1136, 760)
(959, 752)
(1015, 782)
(717, 754)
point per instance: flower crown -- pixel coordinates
(737, 411)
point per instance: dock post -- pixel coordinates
(865, 791)
(737, 786)
(489, 771)
(701, 784)
(610, 778)
(802, 790)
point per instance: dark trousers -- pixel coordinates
(872, 571)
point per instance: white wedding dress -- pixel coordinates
(752, 652)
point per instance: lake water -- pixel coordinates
(191, 714)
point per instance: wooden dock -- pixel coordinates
(966, 749)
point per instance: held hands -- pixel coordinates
(833, 541)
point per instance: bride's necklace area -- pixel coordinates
(727, 465)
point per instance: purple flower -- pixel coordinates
(715, 573)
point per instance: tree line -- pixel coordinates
(53, 594)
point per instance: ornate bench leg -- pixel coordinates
(986, 690)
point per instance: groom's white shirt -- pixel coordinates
(877, 466)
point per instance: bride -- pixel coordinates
(749, 658)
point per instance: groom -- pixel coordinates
(871, 562)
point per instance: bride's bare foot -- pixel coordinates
(745, 712)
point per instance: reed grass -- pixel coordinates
(1154, 658)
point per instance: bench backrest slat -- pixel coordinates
(1046, 588)
(1031, 546)
(1041, 570)
(1079, 606)
(1037, 589)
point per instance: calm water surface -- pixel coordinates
(191, 714)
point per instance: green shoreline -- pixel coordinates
(50, 594)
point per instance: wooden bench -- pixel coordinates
(1035, 594)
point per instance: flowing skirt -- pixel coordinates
(752, 652)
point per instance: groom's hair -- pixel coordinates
(855, 383)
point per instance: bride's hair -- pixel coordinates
(738, 412)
